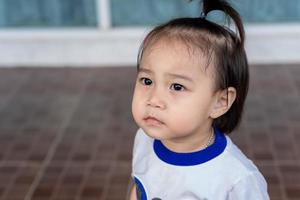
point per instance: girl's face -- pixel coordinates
(174, 94)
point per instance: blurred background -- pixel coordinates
(67, 72)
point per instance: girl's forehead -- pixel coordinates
(172, 46)
(175, 55)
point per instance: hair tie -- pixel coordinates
(202, 15)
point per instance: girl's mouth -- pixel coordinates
(153, 121)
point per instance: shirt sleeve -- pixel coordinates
(134, 149)
(252, 186)
(138, 141)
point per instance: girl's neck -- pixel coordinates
(191, 144)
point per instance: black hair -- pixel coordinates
(221, 45)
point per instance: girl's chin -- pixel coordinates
(155, 133)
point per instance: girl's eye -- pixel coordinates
(178, 87)
(174, 86)
(146, 81)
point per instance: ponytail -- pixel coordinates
(224, 6)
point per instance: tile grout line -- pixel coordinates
(15, 175)
(54, 145)
(277, 165)
(88, 169)
(275, 161)
(86, 174)
(11, 96)
(129, 183)
(296, 148)
(89, 163)
(66, 165)
(109, 174)
(292, 135)
(63, 173)
(13, 93)
(19, 164)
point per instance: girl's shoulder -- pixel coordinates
(142, 141)
(141, 136)
(237, 161)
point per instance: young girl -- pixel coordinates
(190, 90)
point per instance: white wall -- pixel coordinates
(268, 43)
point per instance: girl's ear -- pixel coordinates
(223, 101)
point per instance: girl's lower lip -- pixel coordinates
(153, 121)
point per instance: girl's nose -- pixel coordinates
(156, 99)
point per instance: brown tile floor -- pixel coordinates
(68, 133)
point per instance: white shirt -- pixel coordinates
(219, 172)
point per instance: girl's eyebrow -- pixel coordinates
(180, 76)
(140, 69)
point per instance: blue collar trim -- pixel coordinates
(194, 158)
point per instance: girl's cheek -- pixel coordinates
(139, 95)
(142, 89)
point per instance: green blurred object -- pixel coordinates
(152, 12)
(48, 13)
(83, 13)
